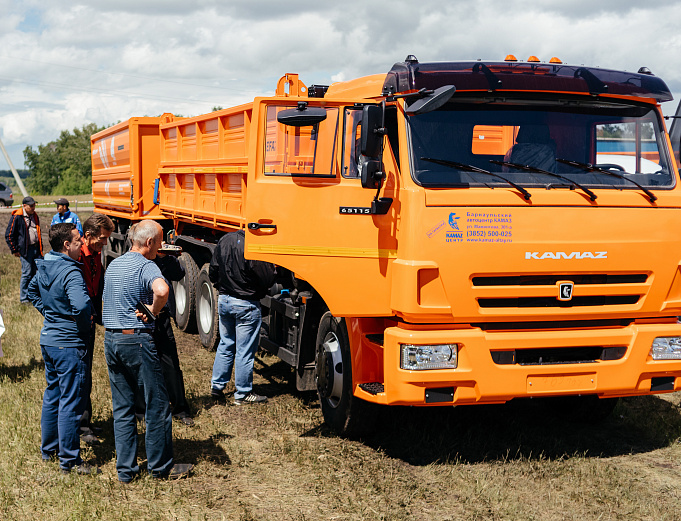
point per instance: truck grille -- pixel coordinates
(558, 355)
(542, 291)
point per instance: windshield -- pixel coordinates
(591, 144)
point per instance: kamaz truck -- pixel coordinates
(445, 233)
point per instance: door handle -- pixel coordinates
(258, 226)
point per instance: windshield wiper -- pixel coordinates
(471, 168)
(591, 168)
(534, 170)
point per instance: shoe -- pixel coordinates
(250, 398)
(217, 394)
(90, 439)
(84, 469)
(187, 420)
(179, 470)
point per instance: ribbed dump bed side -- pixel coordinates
(204, 162)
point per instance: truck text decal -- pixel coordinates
(562, 255)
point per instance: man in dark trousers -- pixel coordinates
(131, 282)
(164, 338)
(24, 241)
(58, 291)
(97, 229)
(241, 284)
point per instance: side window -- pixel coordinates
(300, 151)
(629, 146)
(2, 187)
(352, 130)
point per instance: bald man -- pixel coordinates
(132, 357)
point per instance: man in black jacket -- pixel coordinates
(24, 241)
(241, 284)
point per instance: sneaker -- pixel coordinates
(179, 470)
(250, 398)
(84, 469)
(90, 439)
(217, 394)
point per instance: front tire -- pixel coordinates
(345, 413)
(185, 295)
(207, 321)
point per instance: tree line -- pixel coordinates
(62, 166)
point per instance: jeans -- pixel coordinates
(239, 332)
(134, 368)
(63, 403)
(86, 419)
(28, 269)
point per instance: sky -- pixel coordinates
(66, 63)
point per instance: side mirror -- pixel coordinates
(371, 140)
(302, 116)
(432, 101)
(371, 174)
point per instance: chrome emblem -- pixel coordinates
(565, 291)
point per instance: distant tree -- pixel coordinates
(215, 109)
(63, 166)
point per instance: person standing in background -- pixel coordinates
(64, 215)
(24, 241)
(241, 284)
(97, 229)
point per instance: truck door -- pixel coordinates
(303, 214)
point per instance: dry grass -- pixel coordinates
(279, 462)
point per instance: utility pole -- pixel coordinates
(14, 170)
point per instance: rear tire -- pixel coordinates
(185, 295)
(348, 415)
(207, 321)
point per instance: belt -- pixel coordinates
(129, 331)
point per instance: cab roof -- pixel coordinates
(521, 76)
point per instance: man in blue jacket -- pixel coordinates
(58, 291)
(64, 215)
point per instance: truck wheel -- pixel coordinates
(348, 415)
(207, 321)
(185, 295)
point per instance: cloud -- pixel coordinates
(64, 64)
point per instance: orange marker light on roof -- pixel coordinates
(533, 59)
(510, 58)
(555, 60)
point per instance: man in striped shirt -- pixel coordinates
(132, 357)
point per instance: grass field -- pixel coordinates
(279, 462)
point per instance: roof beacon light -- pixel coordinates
(555, 60)
(533, 59)
(510, 58)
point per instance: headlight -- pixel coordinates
(666, 348)
(441, 356)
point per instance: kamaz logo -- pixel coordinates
(567, 256)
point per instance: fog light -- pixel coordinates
(420, 357)
(666, 348)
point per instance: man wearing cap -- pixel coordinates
(24, 241)
(64, 215)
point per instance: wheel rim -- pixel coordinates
(181, 297)
(330, 370)
(205, 308)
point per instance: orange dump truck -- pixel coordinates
(445, 234)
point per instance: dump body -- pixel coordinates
(125, 161)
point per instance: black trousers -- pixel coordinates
(85, 420)
(170, 365)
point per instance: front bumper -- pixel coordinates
(478, 379)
